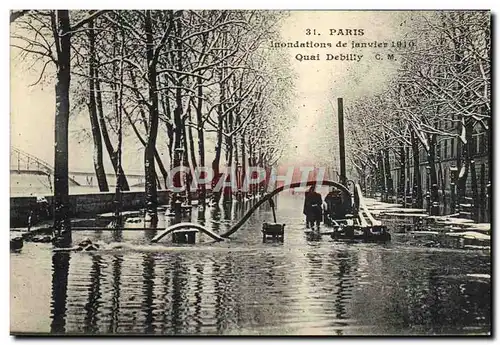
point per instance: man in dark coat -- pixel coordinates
(312, 208)
(334, 207)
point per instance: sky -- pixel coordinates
(318, 85)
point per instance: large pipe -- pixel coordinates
(237, 226)
(186, 226)
(345, 192)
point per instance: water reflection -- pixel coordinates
(178, 285)
(148, 264)
(60, 267)
(92, 306)
(115, 293)
(249, 287)
(198, 292)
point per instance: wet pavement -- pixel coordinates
(247, 287)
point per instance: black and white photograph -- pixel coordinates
(257, 172)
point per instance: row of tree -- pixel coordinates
(442, 90)
(198, 77)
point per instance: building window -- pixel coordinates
(445, 148)
(452, 148)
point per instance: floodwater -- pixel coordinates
(247, 287)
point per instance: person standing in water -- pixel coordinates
(334, 206)
(312, 208)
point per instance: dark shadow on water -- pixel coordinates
(60, 272)
(198, 291)
(219, 297)
(178, 300)
(92, 306)
(117, 262)
(148, 273)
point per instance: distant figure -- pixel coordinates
(38, 212)
(312, 208)
(43, 207)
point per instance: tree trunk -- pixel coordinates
(434, 189)
(490, 167)
(260, 164)
(388, 177)
(465, 159)
(201, 139)
(215, 163)
(408, 173)
(216, 194)
(191, 144)
(118, 95)
(186, 164)
(178, 123)
(61, 189)
(381, 186)
(228, 191)
(482, 196)
(158, 159)
(417, 180)
(443, 185)
(105, 136)
(149, 160)
(251, 163)
(170, 132)
(402, 176)
(193, 158)
(94, 122)
(243, 165)
(475, 190)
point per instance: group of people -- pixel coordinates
(316, 210)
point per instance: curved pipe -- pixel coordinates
(183, 226)
(345, 191)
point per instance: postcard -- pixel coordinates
(250, 172)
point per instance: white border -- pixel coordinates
(191, 4)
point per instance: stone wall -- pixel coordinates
(82, 204)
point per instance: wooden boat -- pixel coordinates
(374, 233)
(357, 223)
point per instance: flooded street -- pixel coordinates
(247, 287)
